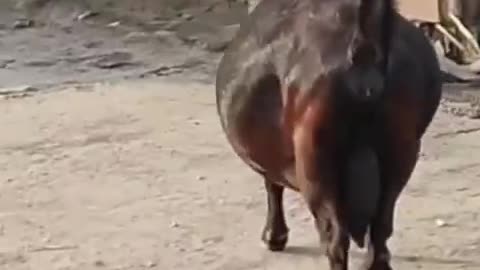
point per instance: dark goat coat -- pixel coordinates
(287, 49)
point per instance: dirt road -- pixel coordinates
(135, 174)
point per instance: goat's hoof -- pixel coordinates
(378, 266)
(275, 241)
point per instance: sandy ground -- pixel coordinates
(126, 167)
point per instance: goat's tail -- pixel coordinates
(362, 191)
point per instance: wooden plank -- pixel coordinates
(424, 10)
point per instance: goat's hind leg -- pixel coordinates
(330, 224)
(397, 169)
(275, 233)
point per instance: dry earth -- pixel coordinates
(109, 166)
